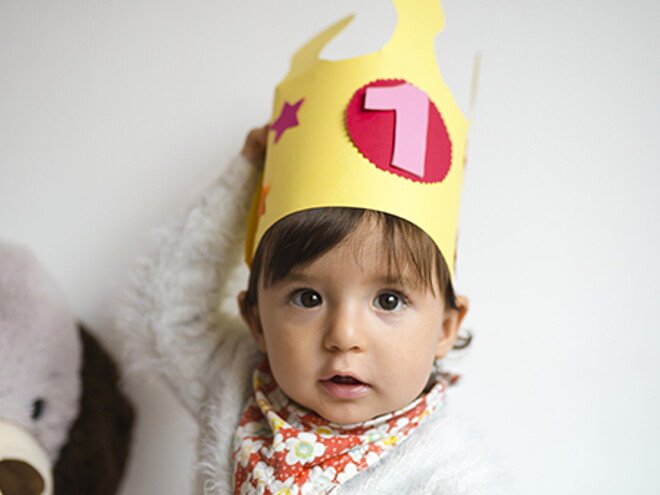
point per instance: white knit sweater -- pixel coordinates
(172, 322)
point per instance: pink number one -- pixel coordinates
(411, 107)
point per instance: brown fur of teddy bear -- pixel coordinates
(94, 458)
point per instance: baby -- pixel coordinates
(336, 387)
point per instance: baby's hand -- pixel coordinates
(254, 148)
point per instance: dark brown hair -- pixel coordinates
(305, 236)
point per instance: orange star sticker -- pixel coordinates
(262, 200)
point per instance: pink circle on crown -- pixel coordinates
(374, 133)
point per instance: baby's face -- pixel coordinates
(345, 340)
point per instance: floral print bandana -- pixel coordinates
(281, 448)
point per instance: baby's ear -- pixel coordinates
(451, 324)
(250, 314)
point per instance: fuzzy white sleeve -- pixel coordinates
(446, 456)
(170, 317)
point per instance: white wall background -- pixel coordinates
(113, 115)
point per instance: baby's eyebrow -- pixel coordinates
(393, 280)
(293, 277)
(389, 279)
(405, 281)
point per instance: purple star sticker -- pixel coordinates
(288, 118)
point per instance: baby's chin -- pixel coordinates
(348, 414)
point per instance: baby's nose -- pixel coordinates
(345, 331)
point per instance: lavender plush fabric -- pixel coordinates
(40, 351)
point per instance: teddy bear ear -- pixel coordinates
(94, 458)
(21, 478)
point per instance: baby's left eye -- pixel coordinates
(388, 301)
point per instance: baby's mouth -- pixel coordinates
(345, 380)
(345, 386)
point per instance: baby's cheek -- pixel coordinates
(290, 370)
(411, 376)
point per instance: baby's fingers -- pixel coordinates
(254, 148)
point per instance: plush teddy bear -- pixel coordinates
(65, 426)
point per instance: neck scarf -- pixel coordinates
(281, 448)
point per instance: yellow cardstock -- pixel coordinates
(311, 159)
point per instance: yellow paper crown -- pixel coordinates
(379, 131)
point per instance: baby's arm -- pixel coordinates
(171, 316)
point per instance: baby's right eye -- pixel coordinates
(306, 298)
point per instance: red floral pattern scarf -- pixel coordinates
(282, 448)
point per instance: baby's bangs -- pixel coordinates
(304, 236)
(411, 252)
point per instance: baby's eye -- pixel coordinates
(306, 298)
(388, 301)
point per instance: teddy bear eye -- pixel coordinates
(38, 408)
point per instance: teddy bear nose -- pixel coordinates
(25, 468)
(20, 478)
